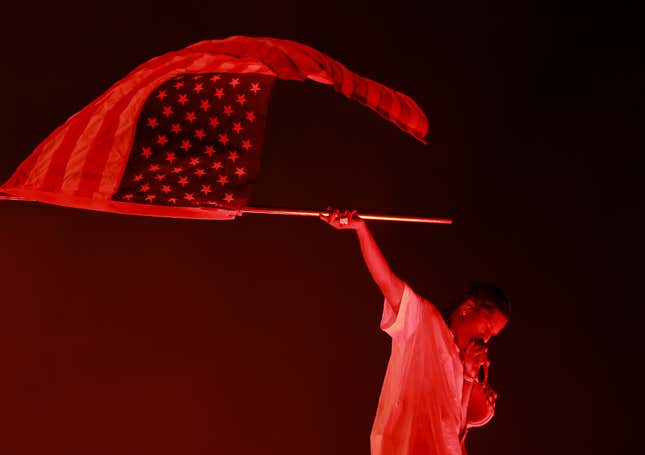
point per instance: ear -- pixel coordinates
(466, 308)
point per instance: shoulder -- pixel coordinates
(422, 303)
(420, 311)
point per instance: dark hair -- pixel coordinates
(486, 296)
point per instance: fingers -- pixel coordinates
(343, 217)
(475, 354)
(475, 346)
(481, 355)
(479, 359)
(339, 219)
(326, 216)
(330, 216)
(491, 395)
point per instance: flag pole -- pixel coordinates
(7, 197)
(288, 212)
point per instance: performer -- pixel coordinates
(435, 367)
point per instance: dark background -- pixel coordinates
(135, 335)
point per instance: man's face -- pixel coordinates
(480, 324)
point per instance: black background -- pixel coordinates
(123, 334)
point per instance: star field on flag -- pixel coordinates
(198, 141)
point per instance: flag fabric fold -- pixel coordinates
(181, 135)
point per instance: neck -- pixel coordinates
(460, 341)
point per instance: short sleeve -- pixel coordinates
(406, 320)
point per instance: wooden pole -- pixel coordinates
(409, 219)
(289, 212)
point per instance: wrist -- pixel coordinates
(360, 226)
(470, 374)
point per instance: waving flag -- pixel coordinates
(181, 135)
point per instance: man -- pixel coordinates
(433, 367)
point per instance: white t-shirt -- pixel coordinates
(419, 410)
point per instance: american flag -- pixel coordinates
(180, 135)
(198, 141)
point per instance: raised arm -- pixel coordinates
(391, 286)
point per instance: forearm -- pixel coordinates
(391, 286)
(466, 391)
